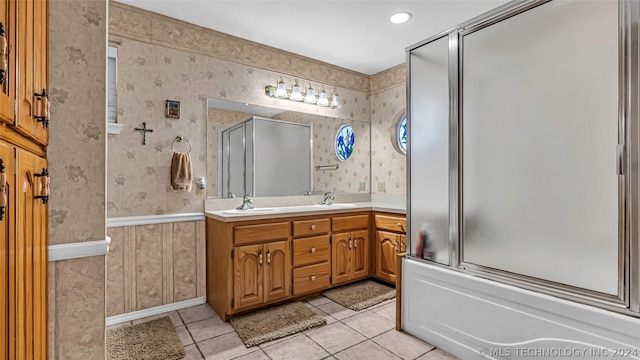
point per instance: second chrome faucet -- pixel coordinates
(328, 197)
(247, 203)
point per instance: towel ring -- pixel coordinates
(179, 139)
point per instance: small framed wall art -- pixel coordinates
(173, 109)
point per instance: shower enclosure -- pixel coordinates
(523, 152)
(265, 157)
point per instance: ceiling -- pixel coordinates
(355, 35)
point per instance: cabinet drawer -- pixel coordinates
(262, 232)
(391, 223)
(311, 278)
(350, 222)
(311, 227)
(312, 250)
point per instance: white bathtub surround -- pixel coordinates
(474, 318)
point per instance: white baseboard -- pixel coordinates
(135, 315)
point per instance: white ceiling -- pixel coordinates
(352, 34)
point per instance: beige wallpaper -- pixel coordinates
(76, 153)
(138, 177)
(153, 265)
(144, 26)
(388, 166)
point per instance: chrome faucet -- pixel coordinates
(247, 203)
(327, 199)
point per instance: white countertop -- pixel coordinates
(305, 210)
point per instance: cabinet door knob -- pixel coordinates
(313, 278)
(313, 227)
(313, 250)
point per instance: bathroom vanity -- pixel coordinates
(259, 258)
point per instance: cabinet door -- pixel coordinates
(340, 258)
(25, 122)
(26, 163)
(7, 244)
(277, 276)
(8, 86)
(385, 246)
(40, 57)
(40, 265)
(360, 254)
(247, 277)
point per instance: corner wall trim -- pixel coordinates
(79, 249)
(153, 219)
(135, 315)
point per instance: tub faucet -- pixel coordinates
(247, 203)
(327, 199)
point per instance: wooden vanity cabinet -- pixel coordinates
(248, 264)
(390, 240)
(349, 248)
(311, 255)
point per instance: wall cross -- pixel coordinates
(144, 132)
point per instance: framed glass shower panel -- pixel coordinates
(428, 144)
(540, 135)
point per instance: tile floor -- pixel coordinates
(368, 334)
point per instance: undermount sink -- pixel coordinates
(334, 206)
(253, 211)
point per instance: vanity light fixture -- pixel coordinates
(308, 96)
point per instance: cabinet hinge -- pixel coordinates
(232, 302)
(231, 258)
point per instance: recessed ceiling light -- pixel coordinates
(400, 17)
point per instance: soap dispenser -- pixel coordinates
(201, 186)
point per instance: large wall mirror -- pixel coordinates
(350, 176)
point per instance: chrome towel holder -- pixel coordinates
(180, 139)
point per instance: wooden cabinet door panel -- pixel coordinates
(360, 254)
(247, 277)
(26, 163)
(40, 265)
(277, 281)
(386, 255)
(40, 55)
(7, 263)
(8, 88)
(341, 258)
(25, 121)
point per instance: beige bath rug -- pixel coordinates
(275, 322)
(361, 295)
(152, 340)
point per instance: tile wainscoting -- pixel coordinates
(155, 261)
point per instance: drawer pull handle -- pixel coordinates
(313, 227)
(313, 278)
(313, 250)
(355, 243)
(397, 246)
(350, 243)
(260, 258)
(268, 257)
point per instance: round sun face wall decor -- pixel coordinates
(345, 140)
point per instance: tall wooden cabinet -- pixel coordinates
(24, 180)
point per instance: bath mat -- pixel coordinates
(152, 340)
(361, 295)
(274, 323)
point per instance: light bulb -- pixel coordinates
(281, 91)
(323, 100)
(335, 100)
(311, 95)
(296, 94)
